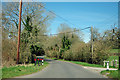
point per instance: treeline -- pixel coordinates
(35, 21)
(71, 46)
(34, 41)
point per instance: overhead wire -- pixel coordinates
(58, 16)
(75, 30)
(72, 23)
(64, 20)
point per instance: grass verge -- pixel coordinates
(111, 58)
(114, 51)
(86, 64)
(80, 63)
(111, 73)
(21, 70)
(115, 57)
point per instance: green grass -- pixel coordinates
(0, 73)
(114, 50)
(111, 73)
(21, 70)
(86, 64)
(111, 58)
(77, 62)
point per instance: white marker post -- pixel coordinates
(111, 63)
(104, 63)
(115, 63)
(107, 65)
(42, 61)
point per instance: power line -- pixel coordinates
(58, 15)
(75, 30)
(107, 20)
(70, 22)
(62, 18)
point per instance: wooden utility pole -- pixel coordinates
(119, 49)
(119, 35)
(92, 44)
(19, 30)
(119, 62)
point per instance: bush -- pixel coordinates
(68, 55)
(82, 52)
(38, 51)
(24, 57)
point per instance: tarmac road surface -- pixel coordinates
(60, 69)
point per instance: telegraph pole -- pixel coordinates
(119, 48)
(19, 30)
(92, 44)
(119, 36)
